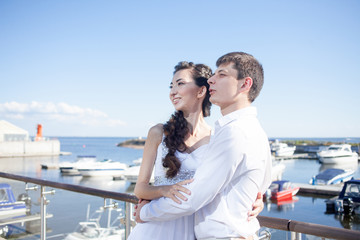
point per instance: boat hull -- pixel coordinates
(101, 172)
(15, 209)
(285, 151)
(285, 194)
(336, 178)
(340, 159)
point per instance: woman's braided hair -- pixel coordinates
(176, 129)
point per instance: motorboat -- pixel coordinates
(281, 190)
(132, 173)
(281, 149)
(337, 153)
(71, 168)
(332, 176)
(92, 229)
(106, 167)
(9, 207)
(348, 201)
(15, 213)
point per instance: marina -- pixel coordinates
(69, 208)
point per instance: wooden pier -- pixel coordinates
(323, 190)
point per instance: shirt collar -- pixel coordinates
(235, 115)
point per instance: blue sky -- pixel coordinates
(103, 68)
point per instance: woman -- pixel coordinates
(175, 149)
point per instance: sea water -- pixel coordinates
(69, 208)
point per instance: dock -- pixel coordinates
(298, 156)
(323, 190)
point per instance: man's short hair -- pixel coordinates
(246, 66)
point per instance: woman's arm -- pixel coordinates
(142, 188)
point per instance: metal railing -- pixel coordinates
(127, 198)
(268, 222)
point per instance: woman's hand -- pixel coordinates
(258, 206)
(175, 192)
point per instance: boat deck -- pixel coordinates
(23, 219)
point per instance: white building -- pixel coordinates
(15, 142)
(9, 132)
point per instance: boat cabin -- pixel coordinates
(348, 201)
(351, 189)
(6, 194)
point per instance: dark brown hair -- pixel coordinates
(246, 66)
(176, 129)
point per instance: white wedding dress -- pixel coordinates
(183, 227)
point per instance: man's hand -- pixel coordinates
(258, 206)
(138, 209)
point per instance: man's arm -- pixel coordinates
(258, 206)
(216, 171)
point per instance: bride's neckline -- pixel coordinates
(203, 145)
(197, 145)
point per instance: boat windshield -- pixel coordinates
(3, 196)
(352, 190)
(334, 148)
(286, 186)
(274, 187)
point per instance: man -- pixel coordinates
(237, 164)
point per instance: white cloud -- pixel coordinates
(61, 112)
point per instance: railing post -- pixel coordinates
(43, 203)
(127, 219)
(295, 236)
(265, 235)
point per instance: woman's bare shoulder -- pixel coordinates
(156, 133)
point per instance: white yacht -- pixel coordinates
(282, 149)
(71, 168)
(106, 167)
(337, 153)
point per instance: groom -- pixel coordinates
(237, 164)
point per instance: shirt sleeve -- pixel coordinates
(216, 170)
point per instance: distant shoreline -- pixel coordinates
(137, 143)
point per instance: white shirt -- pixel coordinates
(236, 166)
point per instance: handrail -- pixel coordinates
(74, 188)
(270, 222)
(308, 228)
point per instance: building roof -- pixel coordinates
(8, 128)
